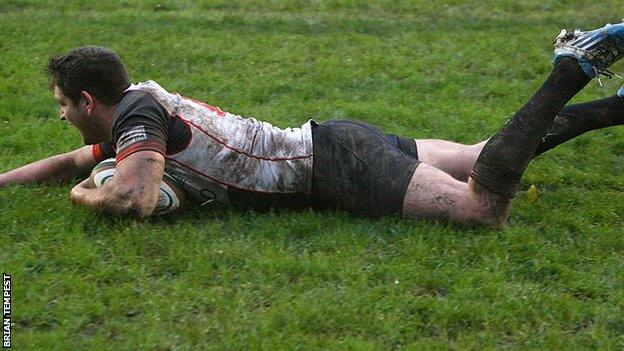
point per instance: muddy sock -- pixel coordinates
(507, 153)
(577, 119)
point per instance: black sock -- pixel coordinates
(507, 153)
(577, 119)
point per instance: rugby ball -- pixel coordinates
(170, 199)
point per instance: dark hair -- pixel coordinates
(95, 69)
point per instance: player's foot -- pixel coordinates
(620, 92)
(595, 50)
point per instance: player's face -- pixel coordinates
(77, 115)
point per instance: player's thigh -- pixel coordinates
(433, 193)
(436, 151)
(450, 157)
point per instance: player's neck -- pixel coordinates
(105, 115)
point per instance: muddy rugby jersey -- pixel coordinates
(217, 156)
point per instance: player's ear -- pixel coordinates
(89, 99)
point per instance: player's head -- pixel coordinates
(83, 79)
(94, 69)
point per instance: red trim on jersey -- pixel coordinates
(96, 151)
(243, 152)
(214, 109)
(148, 145)
(225, 183)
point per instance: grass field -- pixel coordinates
(553, 278)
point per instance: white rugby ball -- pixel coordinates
(170, 198)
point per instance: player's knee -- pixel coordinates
(493, 218)
(489, 209)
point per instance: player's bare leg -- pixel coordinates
(434, 194)
(453, 158)
(499, 166)
(458, 159)
(494, 180)
(486, 197)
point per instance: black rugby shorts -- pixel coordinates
(359, 169)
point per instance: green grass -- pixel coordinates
(221, 279)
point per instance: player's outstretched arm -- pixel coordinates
(133, 191)
(55, 169)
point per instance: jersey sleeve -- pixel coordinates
(140, 124)
(103, 151)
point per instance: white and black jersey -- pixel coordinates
(217, 156)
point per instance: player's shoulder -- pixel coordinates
(133, 99)
(138, 107)
(139, 102)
